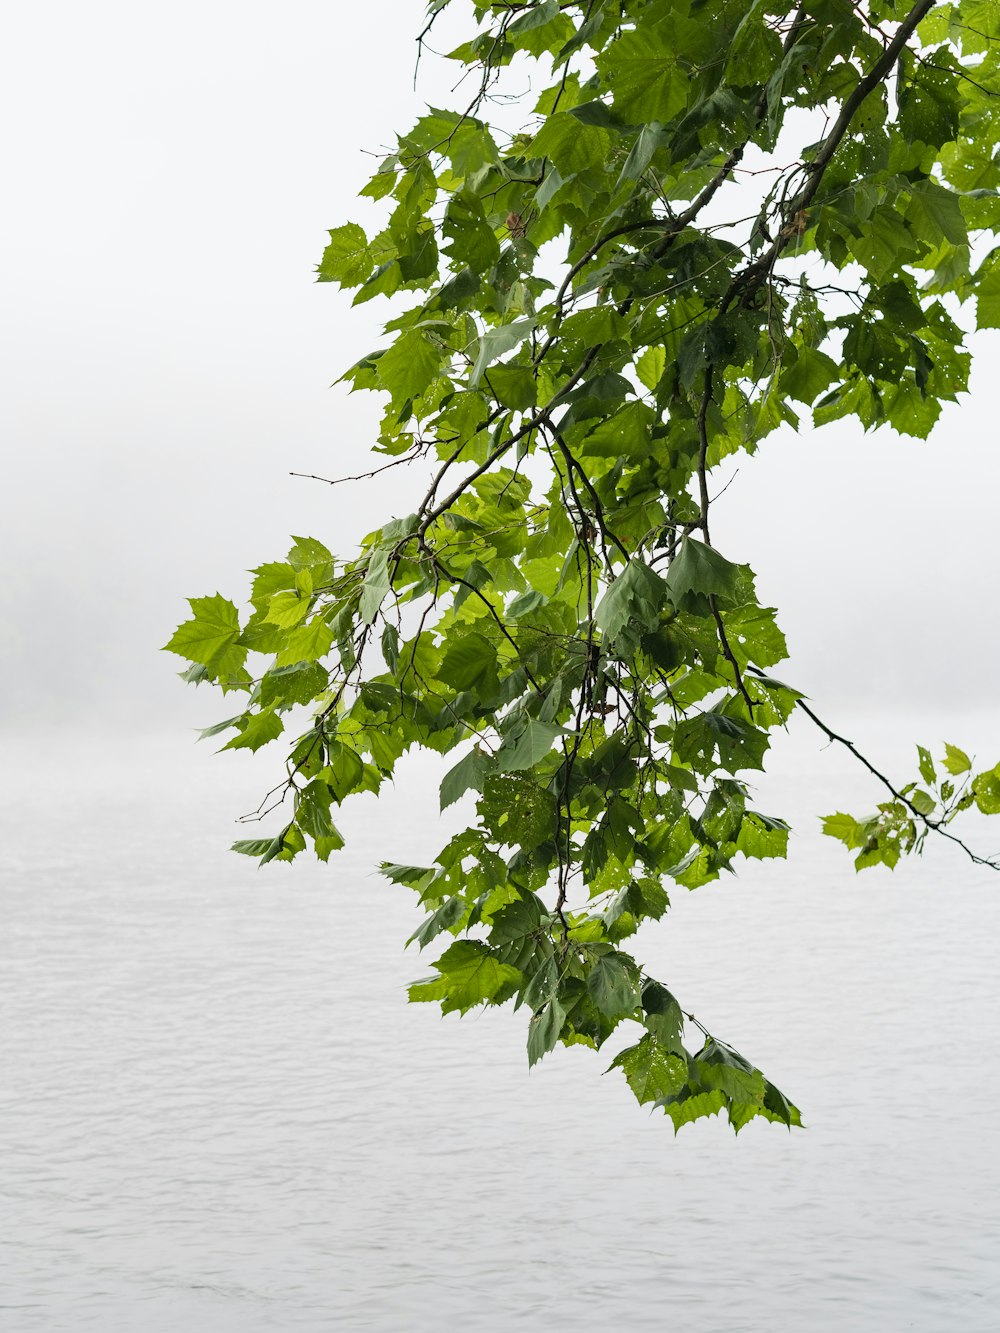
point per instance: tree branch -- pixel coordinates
(932, 825)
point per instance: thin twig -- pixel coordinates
(756, 272)
(729, 655)
(415, 452)
(933, 825)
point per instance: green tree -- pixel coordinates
(589, 325)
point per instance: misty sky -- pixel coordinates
(169, 175)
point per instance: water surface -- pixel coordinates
(219, 1113)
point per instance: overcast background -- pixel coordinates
(219, 1111)
(169, 173)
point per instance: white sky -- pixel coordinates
(170, 172)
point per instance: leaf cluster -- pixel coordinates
(553, 614)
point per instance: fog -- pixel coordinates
(169, 361)
(220, 1113)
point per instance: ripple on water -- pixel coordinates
(219, 1113)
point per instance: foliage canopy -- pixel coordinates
(595, 320)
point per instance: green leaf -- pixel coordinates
(517, 921)
(528, 748)
(473, 241)
(283, 847)
(882, 243)
(390, 646)
(651, 1070)
(306, 643)
(254, 846)
(376, 586)
(663, 1017)
(333, 842)
(638, 594)
(599, 114)
(721, 1067)
(257, 730)
(698, 568)
(516, 811)
(469, 774)
(269, 579)
(625, 434)
(648, 82)
(524, 603)
(286, 609)
(846, 829)
(754, 49)
(409, 366)
(542, 984)
(927, 770)
(414, 877)
(986, 791)
(347, 259)
(514, 386)
(923, 803)
(809, 375)
(573, 146)
(310, 557)
(988, 292)
(754, 635)
(469, 975)
(418, 256)
(468, 662)
(651, 139)
(684, 1111)
(929, 107)
(345, 771)
(446, 916)
(544, 1029)
(495, 342)
(738, 743)
(298, 684)
(910, 412)
(612, 986)
(549, 187)
(218, 727)
(761, 836)
(210, 637)
(312, 810)
(650, 366)
(777, 1107)
(935, 212)
(956, 761)
(538, 15)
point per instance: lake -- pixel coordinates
(220, 1114)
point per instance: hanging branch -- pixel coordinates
(551, 613)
